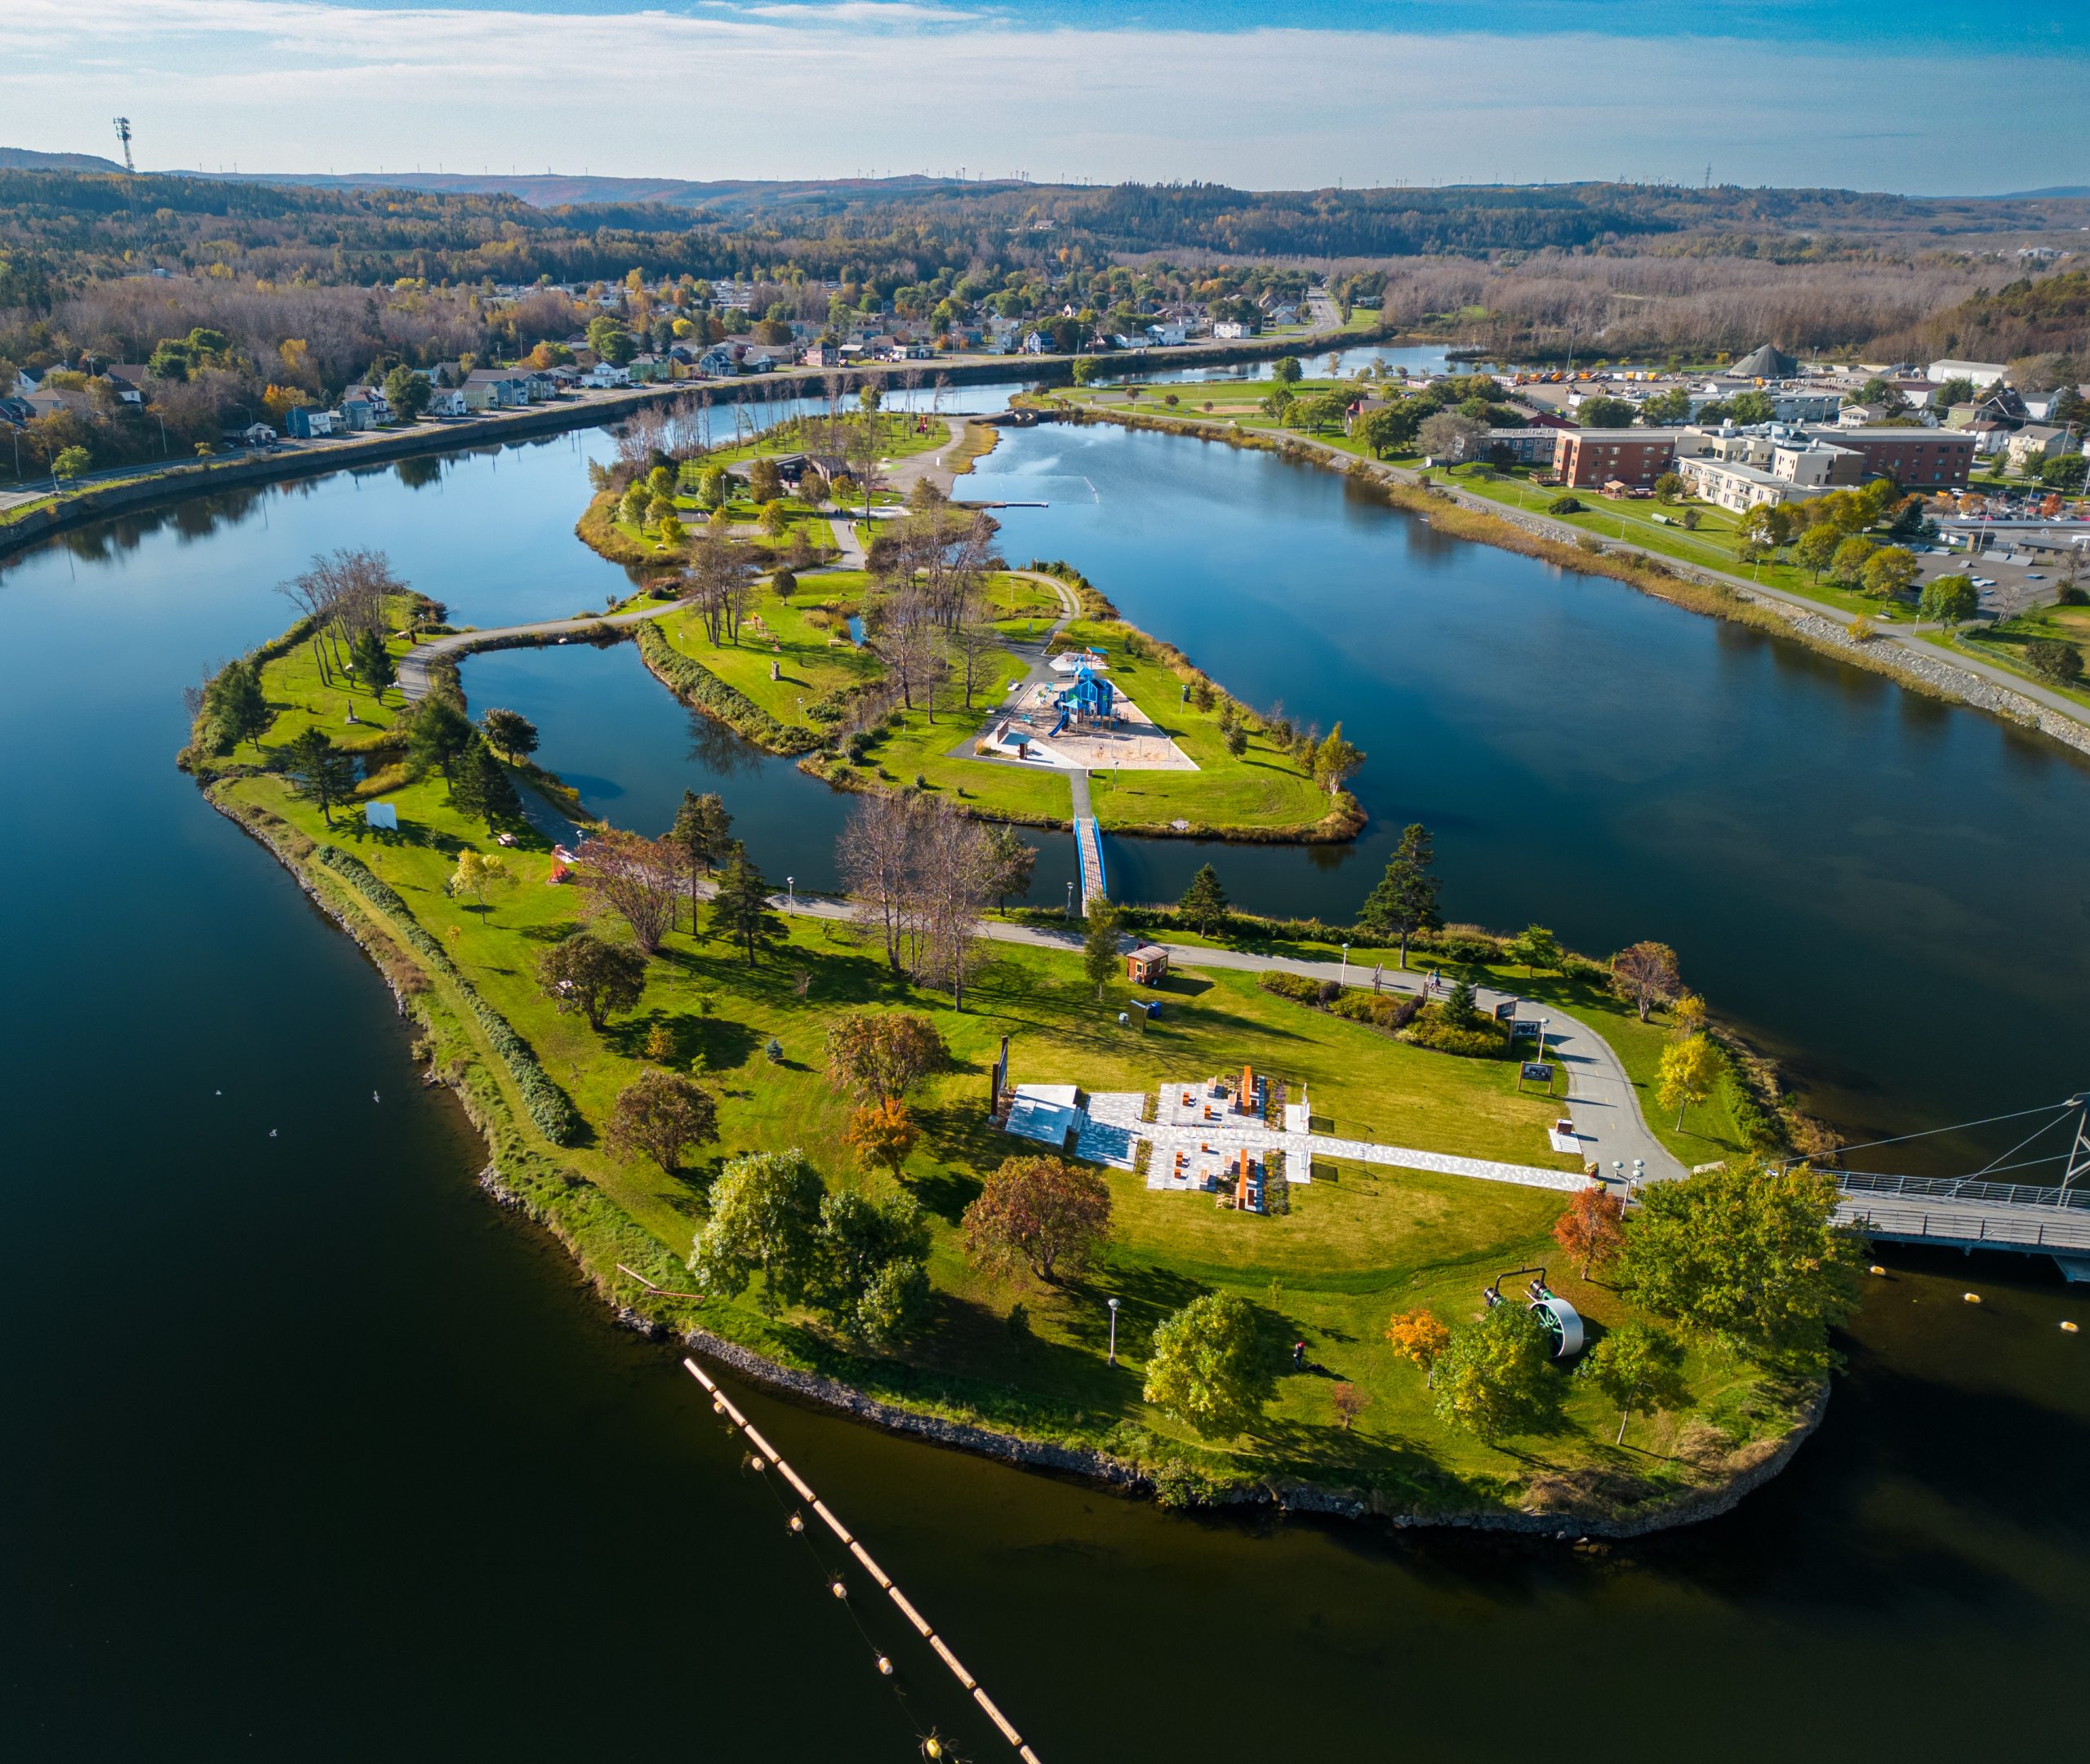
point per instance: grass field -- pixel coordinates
(1262, 789)
(2004, 644)
(1350, 1250)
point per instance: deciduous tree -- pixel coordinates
(1639, 1366)
(870, 1277)
(510, 733)
(765, 1219)
(632, 877)
(587, 973)
(477, 871)
(1889, 571)
(1750, 1254)
(1042, 1212)
(1645, 975)
(1689, 1069)
(1010, 860)
(881, 1056)
(1536, 948)
(660, 1113)
(1949, 600)
(1593, 1228)
(1420, 1336)
(1336, 760)
(883, 1133)
(1349, 1402)
(1208, 1368)
(1494, 1376)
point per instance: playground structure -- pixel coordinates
(1087, 724)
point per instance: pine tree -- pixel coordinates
(319, 771)
(373, 662)
(480, 786)
(739, 906)
(236, 704)
(1203, 905)
(1099, 955)
(1405, 900)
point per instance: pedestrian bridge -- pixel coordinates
(1963, 1213)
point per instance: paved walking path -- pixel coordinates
(415, 664)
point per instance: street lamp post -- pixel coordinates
(1113, 1331)
(791, 890)
(1542, 1022)
(1070, 900)
(1345, 964)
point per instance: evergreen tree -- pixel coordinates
(438, 735)
(1203, 905)
(373, 662)
(510, 731)
(1098, 955)
(319, 771)
(1405, 900)
(481, 786)
(236, 705)
(702, 828)
(739, 906)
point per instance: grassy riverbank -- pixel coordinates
(1015, 1355)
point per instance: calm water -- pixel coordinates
(315, 1454)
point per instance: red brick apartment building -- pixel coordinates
(1916, 459)
(1588, 459)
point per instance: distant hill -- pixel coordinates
(560, 189)
(28, 159)
(2069, 190)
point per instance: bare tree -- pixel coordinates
(719, 583)
(875, 855)
(637, 878)
(954, 874)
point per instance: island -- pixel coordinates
(1169, 1198)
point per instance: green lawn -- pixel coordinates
(1262, 788)
(2004, 644)
(1351, 1250)
(806, 637)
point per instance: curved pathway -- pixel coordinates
(415, 664)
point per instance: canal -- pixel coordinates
(316, 1453)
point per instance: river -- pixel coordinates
(317, 1453)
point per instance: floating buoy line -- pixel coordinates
(762, 1459)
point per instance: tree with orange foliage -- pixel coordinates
(1593, 1228)
(884, 1133)
(1419, 1336)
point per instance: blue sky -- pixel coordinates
(1913, 95)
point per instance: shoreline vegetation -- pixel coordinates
(1011, 1361)
(1815, 626)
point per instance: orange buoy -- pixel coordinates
(2068, 1328)
(1972, 1298)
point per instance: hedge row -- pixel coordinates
(1390, 1011)
(693, 683)
(554, 1116)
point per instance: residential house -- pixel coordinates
(2039, 439)
(1232, 330)
(496, 389)
(445, 400)
(1166, 336)
(648, 370)
(822, 355)
(1037, 343)
(129, 379)
(542, 382)
(719, 361)
(362, 408)
(305, 424)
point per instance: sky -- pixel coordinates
(1915, 97)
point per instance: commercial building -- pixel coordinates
(1916, 459)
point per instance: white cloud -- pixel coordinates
(786, 89)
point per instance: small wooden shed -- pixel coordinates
(1147, 965)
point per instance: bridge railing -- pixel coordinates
(1859, 1182)
(2027, 1230)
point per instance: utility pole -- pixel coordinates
(123, 135)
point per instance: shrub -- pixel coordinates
(1591, 543)
(1566, 505)
(1293, 986)
(1471, 949)
(1434, 1029)
(547, 1105)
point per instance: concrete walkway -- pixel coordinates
(415, 664)
(1599, 1094)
